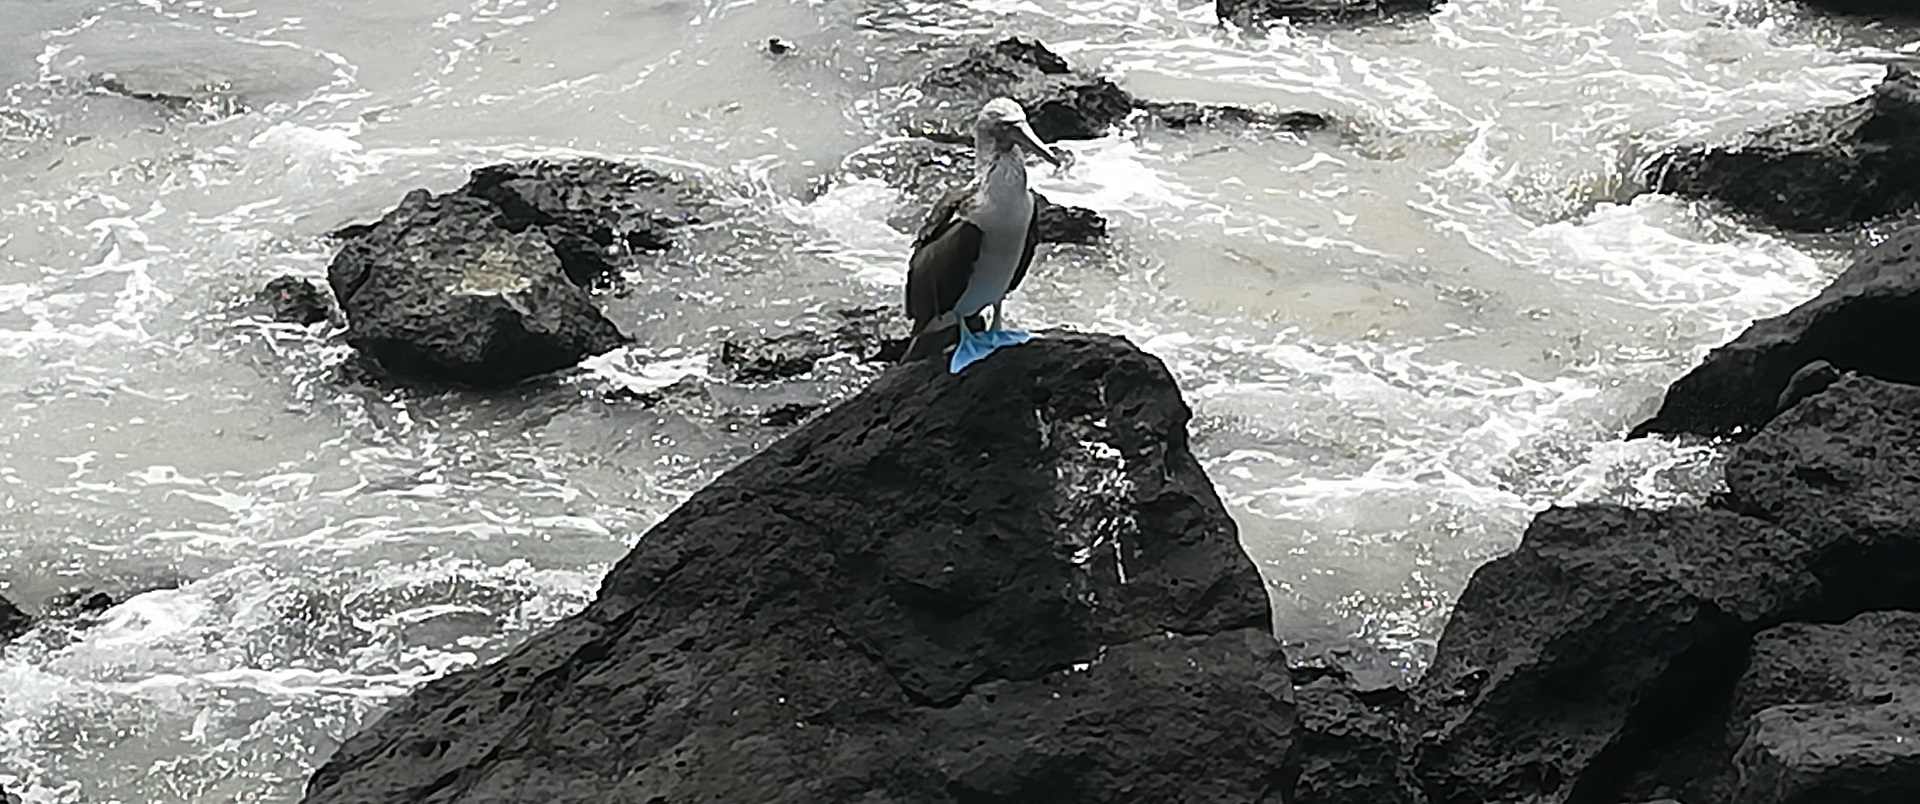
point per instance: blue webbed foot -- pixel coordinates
(975, 346)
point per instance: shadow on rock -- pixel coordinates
(486, 286)
(1821, 170)
(1012, 585)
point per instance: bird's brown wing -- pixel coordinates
(1033, 241)
(942, 261)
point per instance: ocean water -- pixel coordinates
(1400, 340)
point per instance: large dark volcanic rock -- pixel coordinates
(1867, 321)
(1565, 659)
(486, 285)
(1061, 102)
(1015, 585)
(1823, 169)
(1605, 653)
(1246, 13)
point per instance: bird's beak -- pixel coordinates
(1031, 142)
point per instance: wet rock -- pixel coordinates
(1059, 611)
(294, 300)
(1183, 114)
(484, 286)
(442, 290)
(1626, 668)
(1821, 170)
(1573, 658)
(13, 621)
(1061, 103)
(596, 213)
(1834, 752)
(1866, 322)
(778, 46)
(870, 334)
(1247, 13)
(1843, 468)
(1066, 224)
(8, 798)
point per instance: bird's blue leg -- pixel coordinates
(997, 337)
(974, 346)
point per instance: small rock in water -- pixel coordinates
(294, 300)
(779, 47)
(1182, 114)
(1248, 13)
(1061, 103)
(486, 286)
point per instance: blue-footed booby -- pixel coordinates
(978, 240)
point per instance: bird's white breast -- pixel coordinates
(1003, 210)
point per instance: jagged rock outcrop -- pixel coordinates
(1011, 585)
(1820, 170)
(1865, 321)
(1247, 13)
(487, 285)
(1601, 657)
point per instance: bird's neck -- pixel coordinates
(999, 168)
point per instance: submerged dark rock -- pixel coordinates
(294, 300)
(1011, 585)
(870, 334)
(485, 286)
(1820, 170)
(1247, 13)
(1061, 102)
(1185, 114)
(1866, 321)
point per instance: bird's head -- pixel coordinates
(1004, 124)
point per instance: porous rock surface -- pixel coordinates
(1819, 170)
(1011, 585)
(1867, 320)
(488, 285)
